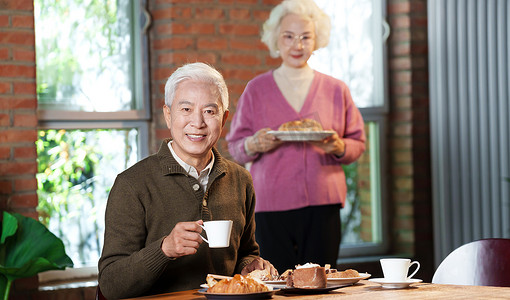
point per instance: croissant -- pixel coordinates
(239, 284)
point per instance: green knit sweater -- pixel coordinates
(147, 201)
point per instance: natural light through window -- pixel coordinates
(82, 50)
(351, 54)
(354, 55)
(76, 169)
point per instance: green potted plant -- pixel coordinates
(27, 247)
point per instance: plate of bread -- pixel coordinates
(237, 287)
(309, 278)
(301, 130)
(267, 278)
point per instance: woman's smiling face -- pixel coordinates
(296, 41)
(195, 120)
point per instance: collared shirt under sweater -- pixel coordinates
(144, 205)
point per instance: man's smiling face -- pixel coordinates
(195, 120)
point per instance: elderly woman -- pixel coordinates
(152, 240)
(300, 186)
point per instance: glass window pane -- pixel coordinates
(353, 51)
(76, 170)
(361, 215)
(84, 55)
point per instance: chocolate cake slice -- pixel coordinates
(308, 276)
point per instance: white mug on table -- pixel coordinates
(218, 233)
(396, 269)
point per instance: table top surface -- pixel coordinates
(370, 290)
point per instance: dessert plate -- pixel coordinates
(250, 296)
(329, 287)
(387, 284)
(275, 282)
(349, 280)
(301, 135)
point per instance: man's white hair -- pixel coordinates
(198, 72)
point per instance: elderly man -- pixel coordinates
(152, 240)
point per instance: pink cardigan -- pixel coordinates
(297, 174)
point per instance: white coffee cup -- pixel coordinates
(218, 233)
(396, 269)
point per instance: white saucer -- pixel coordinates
(394, 285)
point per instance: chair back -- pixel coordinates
(484, 262)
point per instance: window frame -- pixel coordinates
(83, 120)
(379, 115)
(141, 125)
(374, 248)
(140, 46)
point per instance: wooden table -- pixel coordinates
(367, 290)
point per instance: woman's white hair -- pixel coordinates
(198, 72)
(304, 8)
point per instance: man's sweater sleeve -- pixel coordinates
(127, 266)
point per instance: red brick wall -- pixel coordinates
(409, 143)
(400, 69)
(18, 104)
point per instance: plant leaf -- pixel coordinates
(30, 268)
(32, 249)
(9, 226)
(3, 286)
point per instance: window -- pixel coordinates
(355, 55)
(92, 89)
